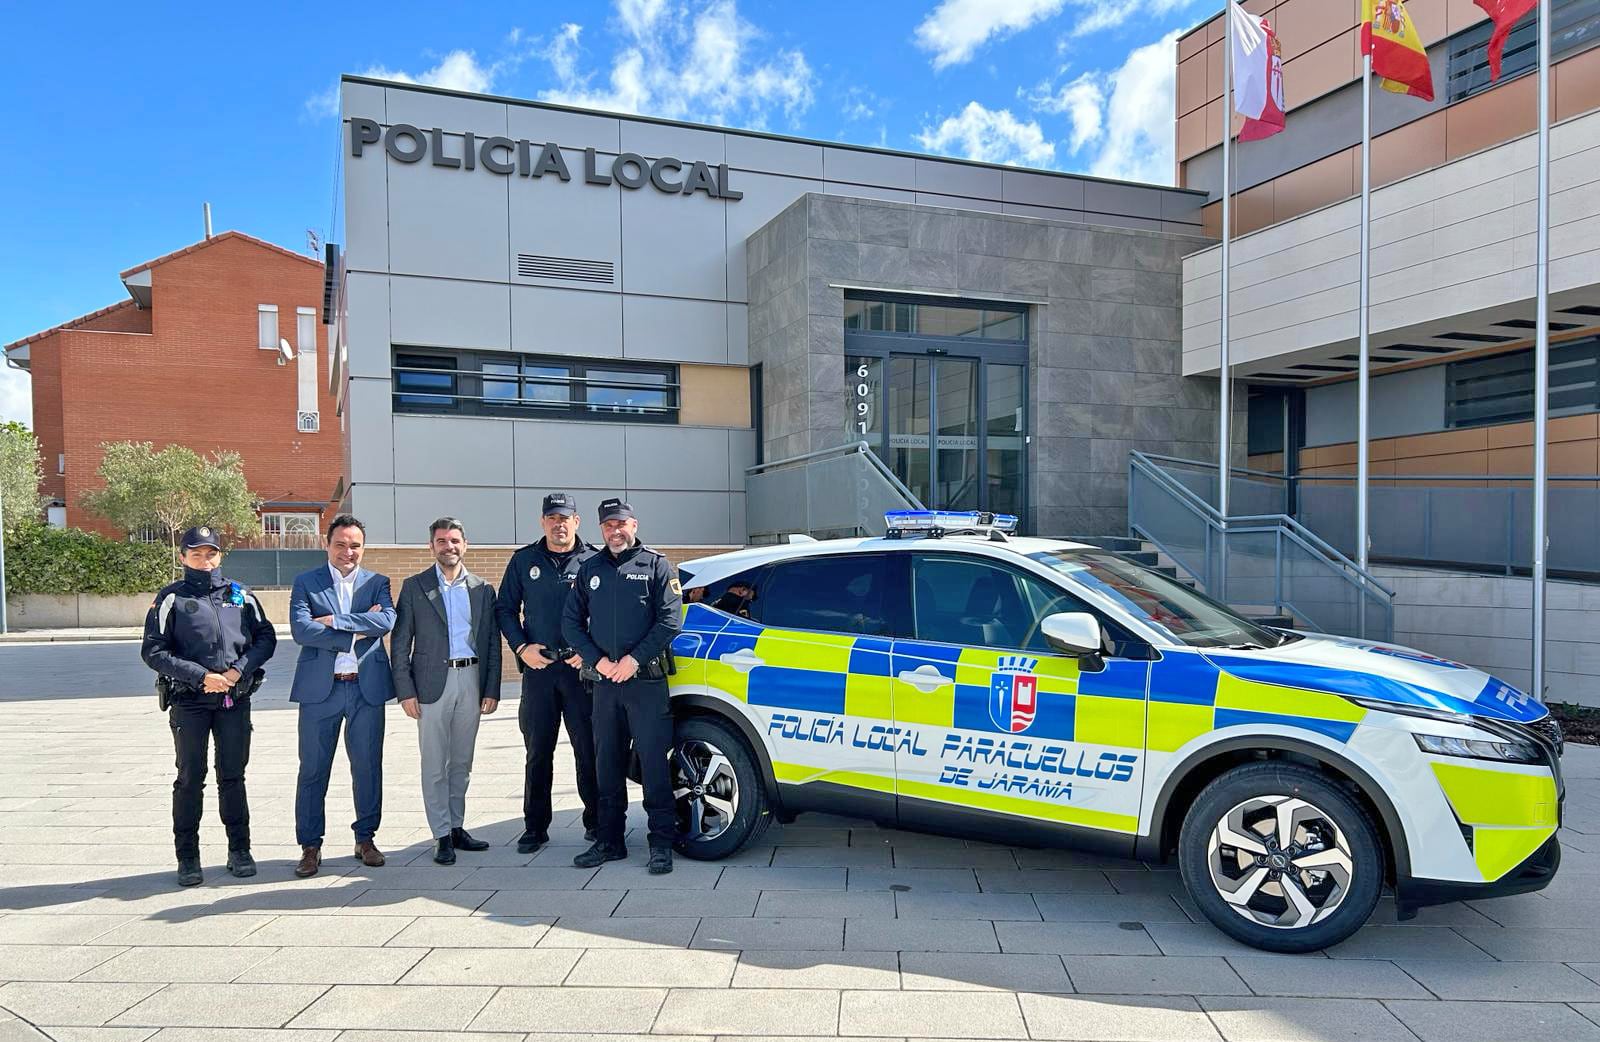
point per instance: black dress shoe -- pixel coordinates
(660, 861)
(528, 842)
(599, 854)
(446, 852)
(189, 873)
(241, 864)
(590, 835)
(463, 840)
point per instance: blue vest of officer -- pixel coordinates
(204, 625)
(628, 604)
(528, 609)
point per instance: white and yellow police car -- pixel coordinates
(953, 678)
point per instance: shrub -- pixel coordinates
(68, 560)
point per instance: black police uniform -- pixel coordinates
(206, 624)
(629, 604)
(528, 610)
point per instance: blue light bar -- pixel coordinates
(948, 521)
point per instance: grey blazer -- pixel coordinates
(420, 646)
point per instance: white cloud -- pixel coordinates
(991, 136)
(1138, 142)
(16, 395)
(458, 70)
(1081, 101)
(955, 29)
(704, 63)
(859, 104)
(1108, 14)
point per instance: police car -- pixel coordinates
(954, 678)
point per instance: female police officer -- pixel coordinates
(208, 639)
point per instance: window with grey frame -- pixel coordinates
(1577, 28)
(473, 383)
(1499, 389)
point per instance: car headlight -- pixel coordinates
(1508, 751)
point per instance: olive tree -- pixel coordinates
(20, 475)
(172, 489)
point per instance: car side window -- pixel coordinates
(734, 595)
(964, 600)
(845, 594)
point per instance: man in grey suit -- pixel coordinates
(446, 651)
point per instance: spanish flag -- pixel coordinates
(1398, 57)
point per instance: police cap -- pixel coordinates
(201, 535)
(614, 510)
(560, 503)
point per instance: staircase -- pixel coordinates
(1148, 554)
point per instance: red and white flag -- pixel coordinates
(1504, 13)
(1257, 75)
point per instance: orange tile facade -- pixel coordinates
(1321, 52)
(188, 371)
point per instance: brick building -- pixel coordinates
(193, 358)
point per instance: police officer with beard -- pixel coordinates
(528, 609)
(624, 610)
(207, 639)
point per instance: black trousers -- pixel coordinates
(638, 710)
(194, 725)
(550, 695)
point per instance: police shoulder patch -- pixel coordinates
(674, 585)
(594, 582)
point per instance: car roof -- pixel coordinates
(710, 569)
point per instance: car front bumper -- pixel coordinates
(1533, 874)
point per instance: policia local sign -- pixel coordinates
(405, 143)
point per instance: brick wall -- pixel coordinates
(196, 377)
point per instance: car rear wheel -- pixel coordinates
(1280, 857)
(717, 786)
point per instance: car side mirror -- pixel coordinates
(1074, 633)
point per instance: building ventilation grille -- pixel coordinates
(570, 269)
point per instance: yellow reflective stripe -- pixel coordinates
(1171, 725)
(1026, 808)
(1253, 696)
(1495, 796)
(801, 774)
(1498, 851)
(823, 652)
(868, 696)
(1109, 721)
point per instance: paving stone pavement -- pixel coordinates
(832, 927)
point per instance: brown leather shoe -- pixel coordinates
(368, 854)
(310, 861)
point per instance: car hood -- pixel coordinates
(1385, 672)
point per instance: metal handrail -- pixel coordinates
(1213, 518)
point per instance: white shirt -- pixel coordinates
(344, 589)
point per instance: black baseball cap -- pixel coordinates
(614, 510)
(201, 536)
(560, 503)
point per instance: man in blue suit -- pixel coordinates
(338, 615)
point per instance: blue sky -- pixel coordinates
(115, 136)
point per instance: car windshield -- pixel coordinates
(1188, 616)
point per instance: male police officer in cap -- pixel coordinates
(208, 638)
(624, 610)
(529, 612)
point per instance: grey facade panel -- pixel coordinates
(1062, 193)
(426, 111)
(860, 191)
(489, 514)
(738, 320)
(371, 444)
(452, 450)
(1409, 402)
(548, 321)
(765, 195)
(553, 218)
(465, 233)
(681, 458)
(654, 140)
(674, 245)
(958, 179)
(568, 129)
(958, 203)
(366, 332)
(673, 329)
(449, 313)
(667, 517)
(768, 155)
(868, 168)
(551, 454)
(373, 504)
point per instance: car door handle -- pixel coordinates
(744, 660)
(926, 679)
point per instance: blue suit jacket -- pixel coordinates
(314, 596)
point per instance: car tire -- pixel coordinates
(1308, 893)
(720, 795)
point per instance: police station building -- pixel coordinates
(535, 297)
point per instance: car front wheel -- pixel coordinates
(716, 784)
(1280, 857)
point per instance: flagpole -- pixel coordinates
(1224, 426)
(1541, 354)
(1363, 363)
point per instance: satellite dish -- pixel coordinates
(285, 352)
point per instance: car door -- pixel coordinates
(816, 678)
(1003, 725)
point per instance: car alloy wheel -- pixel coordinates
(1280, 861)
(706, 789)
